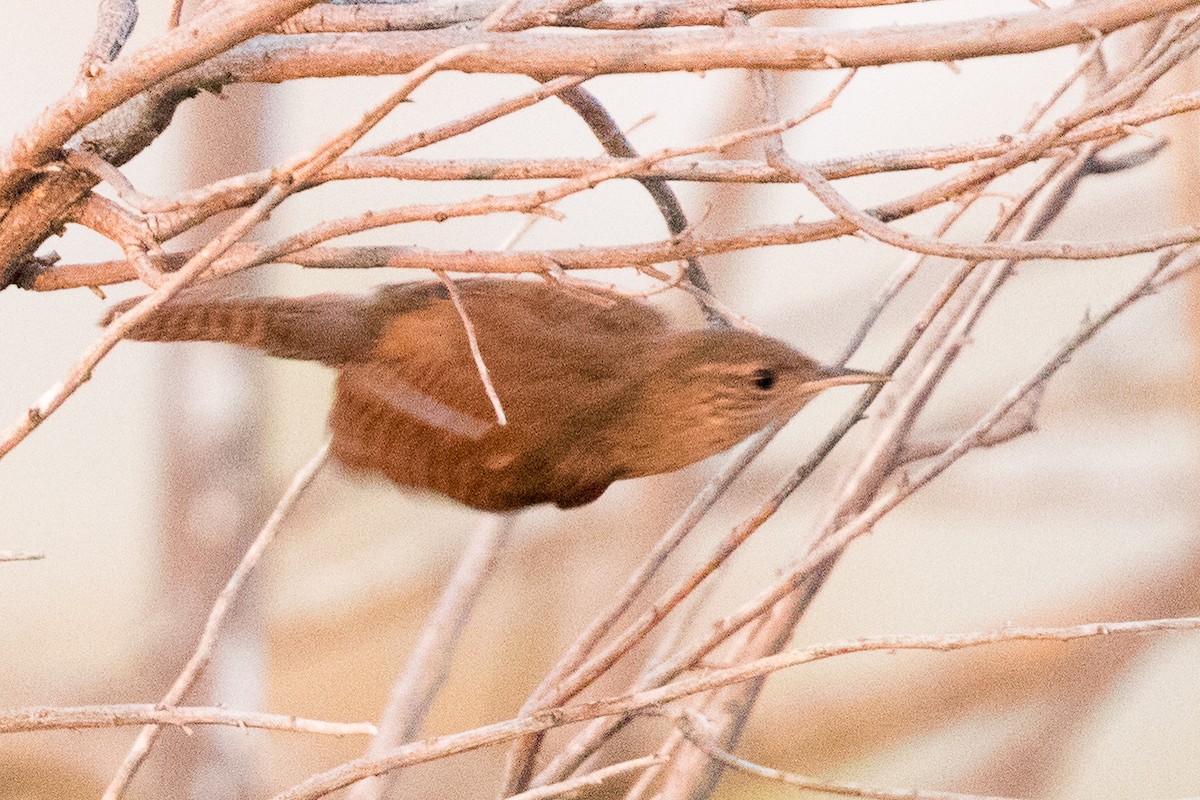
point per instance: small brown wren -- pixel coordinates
(596, 387)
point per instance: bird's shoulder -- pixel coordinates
(520, 311)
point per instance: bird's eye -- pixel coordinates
(764, 378)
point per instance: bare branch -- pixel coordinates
(540, 53)
(428, 665)
(529, 202)
(230, 193)
(216, 618)
(617, 144)
(291, 175)
(413, 16)
(207, 35)
(132, 234)
(441, 746)
(718, 678)
(48, 718)
(571, 787)
(575, 670)
(693, 726)
(114, 22)
(1019, 421)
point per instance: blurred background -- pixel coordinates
(144, 490)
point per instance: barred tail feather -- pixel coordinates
(330, 328)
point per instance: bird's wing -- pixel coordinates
(417, 436)
(386, 383)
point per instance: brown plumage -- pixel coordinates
(595, 388)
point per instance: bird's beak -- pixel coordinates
(828, 377)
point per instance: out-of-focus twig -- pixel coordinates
(429, 664)
(212, 627)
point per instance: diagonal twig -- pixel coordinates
(216, 618)
(429, 662)
(291, 175)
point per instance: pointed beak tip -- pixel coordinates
(840, 376)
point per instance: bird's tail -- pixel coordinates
(334, 329)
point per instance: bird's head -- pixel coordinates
(715, 388)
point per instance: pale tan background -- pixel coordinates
(1093, 517)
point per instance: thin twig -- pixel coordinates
(384, 162)
(429, 663)
(573, 786)
(570, 675)
(692, 724)
(174, 214)
(48, 718)
(183, 210)
(472, 121)
(291, 175)
(647, 780)
(323, 783)
(899, 279)
(617, 144)
(84, 159)
(728, 676)
(528, 202)
(211, 33)
(480, 366)
(670, 641)
(20, 555)
(216, 618)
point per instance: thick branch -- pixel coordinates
(420, 16)
(548, 52)
(209, 34)
(114, 22)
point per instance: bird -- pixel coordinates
(596, 386)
